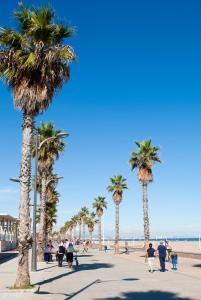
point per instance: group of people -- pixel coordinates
(64, 249)
(163, 252)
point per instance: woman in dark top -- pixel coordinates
(61, 252)
(150, 257)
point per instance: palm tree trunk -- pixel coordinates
(99, 233)
(116, 246)
(80, 229)
(84, 230)
(24, 239)
(74, 231)
(91, 237)
(145, 212)
(42, 230)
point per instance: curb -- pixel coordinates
(34, 290)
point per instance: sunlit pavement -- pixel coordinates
(103, 276)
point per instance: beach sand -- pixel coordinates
(182, 246)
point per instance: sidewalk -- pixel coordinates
(103, 276)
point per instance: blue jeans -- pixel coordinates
(162, 262)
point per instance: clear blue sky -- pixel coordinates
(137, 76)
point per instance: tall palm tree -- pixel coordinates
(99, 204)
(84, 213)
(74, 220)
(51, 207)
(47, 154)
(79, 219)
(91, 221)
(117, 188)
(143, 160)
(34, 63)
(52, 198)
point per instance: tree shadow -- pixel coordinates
(69, 296)
(41, 269)
(4, 257)
(83, 267)
(84, 255)
(151, 295)
(113, 280)
(197, 266)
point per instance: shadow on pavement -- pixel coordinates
(68, 295)
(83, 267)
(197, 266)
(112, 280)
(150, 295)
(4, 257)
(84, 255)
(95, 266)
(47, 268)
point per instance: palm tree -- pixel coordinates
(51, 207)
(47, 154)
(143, 160)
(74, 220)
(91, 221)
(34, 63)
(117, 187)
(79, 220)
(99, 204)
(52, 198)
(84, 213)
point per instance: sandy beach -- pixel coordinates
(181, 246)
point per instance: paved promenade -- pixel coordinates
(105, 276)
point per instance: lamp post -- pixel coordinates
(38, 147)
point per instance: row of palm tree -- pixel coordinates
(142, 160)
(84, 217)
(34, 63)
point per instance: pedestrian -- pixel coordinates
(46, 253)
(61, 252)
(169, 250)
(105, 248)
(50, 247)
(66, 243)
(85, 247)
(70, 251)
(174, 260)
(162, 250)
(150, 255)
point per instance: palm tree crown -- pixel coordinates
(99, 204)
(51, 149)
(84, 212)
(34, 61)
(144, 159)
(117, 187)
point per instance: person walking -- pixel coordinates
(162, 251)
(50, 247)
(150, 257)
(70, 251)
(66, 243)
(46, 254)
(61, 252)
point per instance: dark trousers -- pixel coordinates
(46, 256)
(60, 259)
(162, 262)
